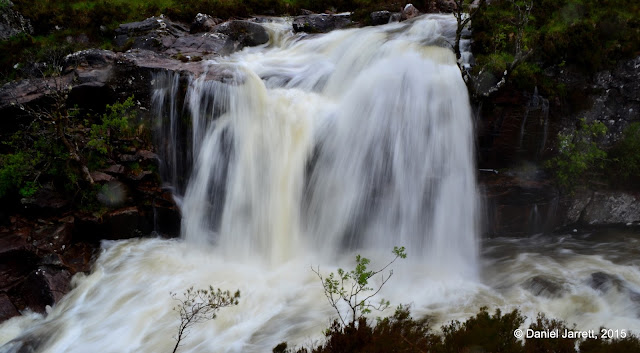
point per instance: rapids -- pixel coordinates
(314, 149)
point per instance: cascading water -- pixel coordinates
(302, 153)
(353, 140)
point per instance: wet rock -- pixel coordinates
(45, 286)
(11, 22)
(14, 266)
(7, 309)
(519, 203)
(541, 286)
(321, 23)
(77, 258)
(396, 17)
(203, 23)
(126, 223)
(243, 34)
(409, 12)
(380, 17)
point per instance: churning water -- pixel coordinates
(305, 152)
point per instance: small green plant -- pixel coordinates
(625, 155)
(352, 288)
(14, 173)
(115, 124)
(579, 153)
(199, 305)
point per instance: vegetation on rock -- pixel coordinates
(483, 332)
(588, 35)
(53, 148)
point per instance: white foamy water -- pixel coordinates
(311, 150)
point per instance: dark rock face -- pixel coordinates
(380, 17)
(321, 23)
(11, 22)
(45, 286)
(7, 309)
(522, 203)
(518, 125)
(612, 96)
(519, 203)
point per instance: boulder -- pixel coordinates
(203, 23)
(195, 47)
(148, 34)
(242, 34)
(380, 17)
(321, 23)
(409, 12)
(44, 286)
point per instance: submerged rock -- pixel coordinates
(541, 286)
(604, 282)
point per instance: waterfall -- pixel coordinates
(302, 152)
(357, 139)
